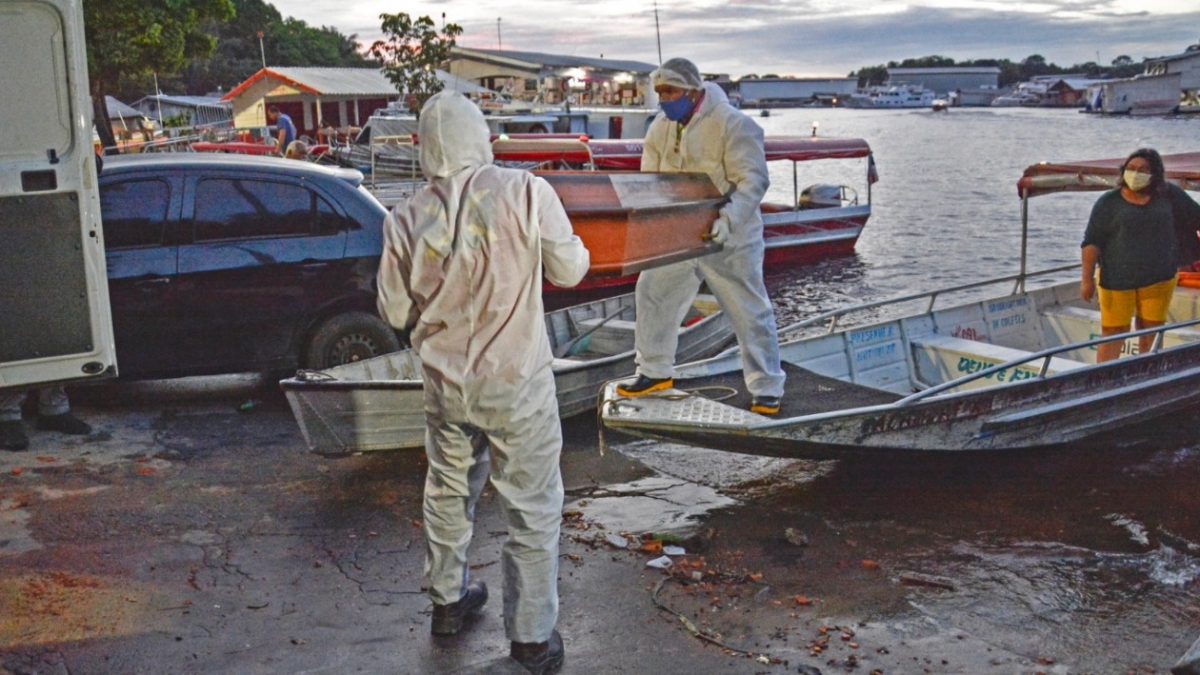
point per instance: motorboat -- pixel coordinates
(378, 403)
(1014, 370)
(822, 220)
(893, 96)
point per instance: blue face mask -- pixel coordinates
(677, 109)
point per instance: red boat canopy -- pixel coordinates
(1101, 174)
(626, 155)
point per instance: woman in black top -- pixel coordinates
(1139, 234)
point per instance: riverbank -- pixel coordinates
(193, 533)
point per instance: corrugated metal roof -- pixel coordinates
(185, 101)
(339, 81)
(563, 60)
(116, 109)
(989, 70)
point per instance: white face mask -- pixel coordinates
(1136, 180)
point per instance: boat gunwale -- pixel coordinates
(559, 365)
(937, 393)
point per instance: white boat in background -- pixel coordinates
(378, 403)
(1014, 371)
(894, 96)
(387, 142)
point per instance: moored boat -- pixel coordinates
(377, 403)
(1013, 371)
(821, 220)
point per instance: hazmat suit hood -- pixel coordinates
(453, 136)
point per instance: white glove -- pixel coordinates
(719, 233)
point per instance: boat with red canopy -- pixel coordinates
(821, 221)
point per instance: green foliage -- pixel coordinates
(129, 40)
(412, 51)
(285, 42)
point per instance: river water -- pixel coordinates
(945, 210)
(1085, 559)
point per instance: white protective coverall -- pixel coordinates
(462, 268)
(728, 146)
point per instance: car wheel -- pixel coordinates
(349, 337)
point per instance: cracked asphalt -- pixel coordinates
(193, 532)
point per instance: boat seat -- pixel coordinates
(614, 337)
(1065, 324)
(941, 358)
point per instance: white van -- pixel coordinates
(55, 324)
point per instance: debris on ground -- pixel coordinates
(926, 580)
(795, 537)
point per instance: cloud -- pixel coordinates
(799, 37)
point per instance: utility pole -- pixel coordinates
(262, 50)
(499, 40)
(657, 35)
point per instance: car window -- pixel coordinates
(250, 208)
(331, 221)
(134, 212)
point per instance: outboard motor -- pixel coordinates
(821, 196)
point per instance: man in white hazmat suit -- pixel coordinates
(462, 268)
(698, 131)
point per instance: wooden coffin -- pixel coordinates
(634, 221)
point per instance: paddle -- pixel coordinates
(566, 347)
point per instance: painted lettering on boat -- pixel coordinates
(876, 353)
(968, 365)
(966, 333)
(901, 420)
(1007, 305)
(1008, 321)
(874, 334)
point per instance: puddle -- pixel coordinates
(689, 483)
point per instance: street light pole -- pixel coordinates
(262, 50)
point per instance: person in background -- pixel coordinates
(285, 130)
(1139, 235)
(462, 269)
(699, 131)
(54, 414)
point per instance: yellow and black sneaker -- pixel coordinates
(644, 385)
(765, 405)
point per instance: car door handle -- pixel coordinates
(314, 265)
(150, 282)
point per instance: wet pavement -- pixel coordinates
(192, 532)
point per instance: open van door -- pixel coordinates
(55, 323)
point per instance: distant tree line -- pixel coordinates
(1010, 72)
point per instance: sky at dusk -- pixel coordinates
(795, 37)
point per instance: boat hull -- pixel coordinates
(1002, 401)
(378, 403)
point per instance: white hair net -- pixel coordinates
(677, 73)
(452, 135)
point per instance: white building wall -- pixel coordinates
(794, 89)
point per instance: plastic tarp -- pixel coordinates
(1101, 174)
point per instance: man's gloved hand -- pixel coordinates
(719, 233)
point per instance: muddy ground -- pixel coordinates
(193, 532)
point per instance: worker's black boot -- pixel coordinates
(448, 619)
(540, 658)
(65, 423)
(12, 436)
(644, 385)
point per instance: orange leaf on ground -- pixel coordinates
(803, 600)
(17, 471)
(870, 565)
(653, 546)
(145, 471)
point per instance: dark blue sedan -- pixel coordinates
(227, 263)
